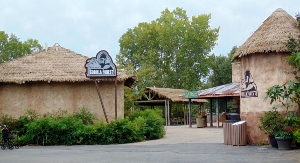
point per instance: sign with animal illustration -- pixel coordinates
(100, 66)
(248, 86)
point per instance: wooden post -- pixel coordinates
(190, 113)
(116, 106)
(101, 101)
(217, 112)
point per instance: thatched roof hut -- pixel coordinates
(263, 64)
(54, 79)
(53, 64)
(271, 36)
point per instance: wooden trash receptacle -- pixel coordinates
(239, 133)
(227, 131)
(223, 118)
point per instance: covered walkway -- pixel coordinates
(226, 91)
(166, 97)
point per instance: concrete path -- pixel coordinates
(180, 144)
(185, 134)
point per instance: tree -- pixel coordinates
(221, 69)
(171, 51)
(11, 47)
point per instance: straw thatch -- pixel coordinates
(271, 36)
(172, 94)
(53, 64)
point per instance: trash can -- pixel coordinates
(227, 131)
(227, 127)
(223, 118)
(233, 116)
(239, 133)
(200, 122)
(204, 120)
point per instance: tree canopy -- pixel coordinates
(171, 51)
(11, 47)
(221, 69)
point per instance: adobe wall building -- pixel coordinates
(54, 79)
(261, 61)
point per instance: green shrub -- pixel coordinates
(9, 121)
(270, 122)
(85, 115)
(154, 128)
(79, 128)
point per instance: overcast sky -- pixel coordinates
(88, 26)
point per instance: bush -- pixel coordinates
(154, 128)
(85, 115)
(270, 122)
(79, 128)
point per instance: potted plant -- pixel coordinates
(284, 137)
(270, 124)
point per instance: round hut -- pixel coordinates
(263, 64)
(53, 80)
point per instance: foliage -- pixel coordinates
(270, 122)
(18, 124)
(284, 134)
(288, 125)
(154, 128)
(284, 93)
(221, 69)
(290, 121)
(296, 136)
(85, 115)
(79, 128)
(11, 47)
(171, 51)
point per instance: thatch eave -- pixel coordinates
(272, 36)
(55, 64)
(171, 94)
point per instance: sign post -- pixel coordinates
(102, 67)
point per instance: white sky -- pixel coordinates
(86, 27)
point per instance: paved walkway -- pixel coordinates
(180, 144)
(185, 134)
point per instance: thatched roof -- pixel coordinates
(53, 64)
(171, 94)
(271, 36)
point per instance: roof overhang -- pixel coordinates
(222, 91)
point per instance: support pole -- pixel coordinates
(225, 105)
(101, 101)
(217, 111)
(211, 116)
(190, 114)
(166, 113)
(116, 106)
(184, 113)
(168, 102)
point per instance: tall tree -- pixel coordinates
(171, 51)
(221, 70)
(11, 47)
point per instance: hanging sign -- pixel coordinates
(100, 66)
(190, 94)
